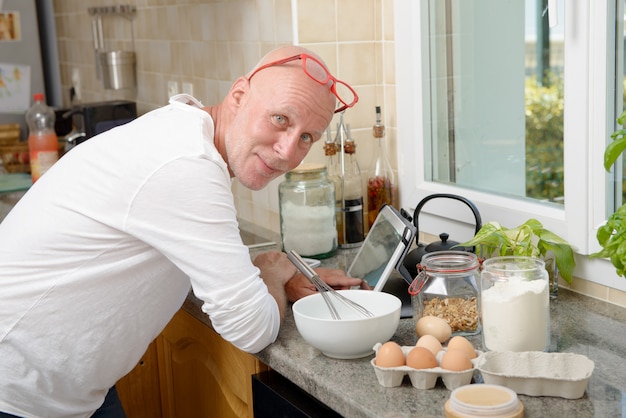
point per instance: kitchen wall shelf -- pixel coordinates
(127, 11)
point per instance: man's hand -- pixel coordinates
(299, 286)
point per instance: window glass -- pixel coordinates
(496, 97)
(465, 70)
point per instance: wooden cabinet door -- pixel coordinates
(139, 390)
(202, 375)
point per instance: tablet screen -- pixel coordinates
(383, 248)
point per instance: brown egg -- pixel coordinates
(463, 344)
(390, 354)
(421, 358)
(435, 326)
(455, 360)
(430, 342)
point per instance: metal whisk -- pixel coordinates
(325, 290)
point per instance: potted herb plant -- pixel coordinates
(612, 235)
(529, 239)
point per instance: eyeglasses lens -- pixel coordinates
(344, 93)
(317, 72)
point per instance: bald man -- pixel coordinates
(102, 251)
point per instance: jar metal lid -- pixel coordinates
(449, 262)
(309, 168)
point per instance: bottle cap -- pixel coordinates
(38, 97)
(379, 128)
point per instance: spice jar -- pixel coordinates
(307, 212)
(447, 287)
(515, 304)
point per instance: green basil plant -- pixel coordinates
(530, 239)
(612, 235)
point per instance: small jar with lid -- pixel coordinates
(447, 287)
(479, 401)
(307, 212)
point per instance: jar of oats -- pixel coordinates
(447, 287)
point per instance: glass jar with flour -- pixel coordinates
(515, 304)
(307, 212)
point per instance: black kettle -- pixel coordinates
(414, 257)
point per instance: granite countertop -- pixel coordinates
(580, 325)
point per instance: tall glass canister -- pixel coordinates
(307, 212)
(515, 304)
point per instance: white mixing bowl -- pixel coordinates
(354, 335)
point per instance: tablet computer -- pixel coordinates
(383, 249)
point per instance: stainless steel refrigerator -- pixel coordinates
(29, 60)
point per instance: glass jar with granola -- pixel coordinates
(447, 287)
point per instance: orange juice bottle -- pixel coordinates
(43, 142)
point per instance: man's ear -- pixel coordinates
(237, 93)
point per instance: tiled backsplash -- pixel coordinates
(211, 43)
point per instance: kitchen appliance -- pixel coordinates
(98, 117)
(275, 396)
(414, 257)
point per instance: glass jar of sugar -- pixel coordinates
(307, 212)
(447, 287)
(515, 304)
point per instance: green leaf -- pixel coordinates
(615, 148)
(613, 151)
(529, 239)
(564, 256)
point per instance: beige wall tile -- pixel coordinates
(283, 22)
(589, 288)
(388, 20)
(267, 21)
(316, 21)
(357, 20)
(617, 297)
(355, 62)
(389, 63)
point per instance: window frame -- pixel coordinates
(588, 115)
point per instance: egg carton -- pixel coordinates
(535, 373)
(424, 378)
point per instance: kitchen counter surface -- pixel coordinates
(580, 325)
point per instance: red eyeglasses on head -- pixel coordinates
(318, 72)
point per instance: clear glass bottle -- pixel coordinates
(43, 143)
(350, 223)
(334, 175)
(515, 304)
(307, 212)
(332, 163)
(447, 287)
(381, 183)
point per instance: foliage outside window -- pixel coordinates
(544, 139)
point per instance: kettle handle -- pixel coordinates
(421, 204)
